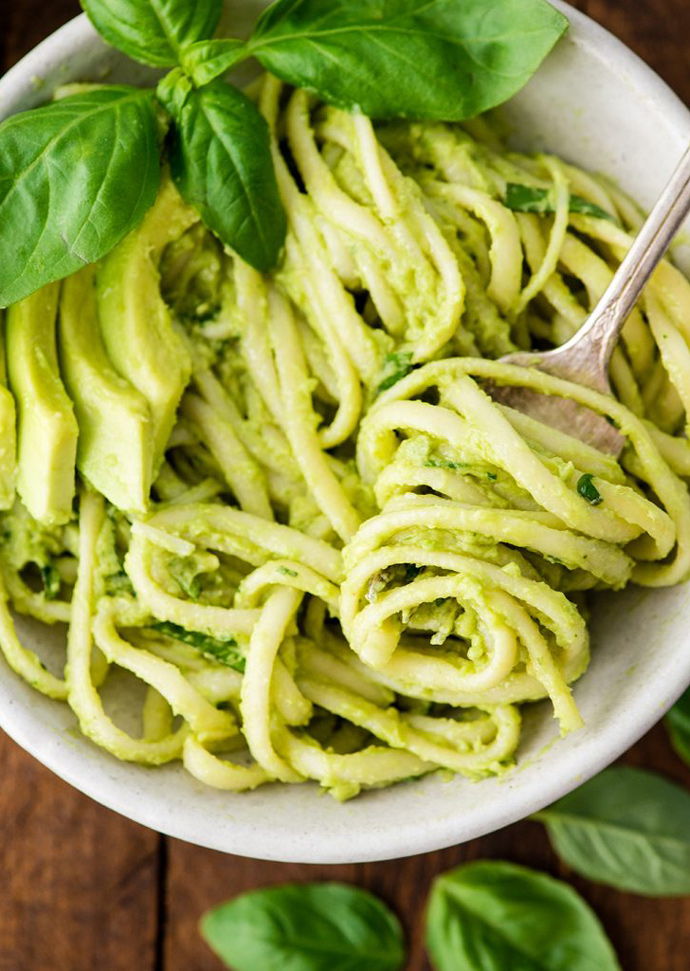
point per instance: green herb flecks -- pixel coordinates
(118, 584)
(50, 577)
(588, 490)
(286, 571)
(396, 367)
(222, 651)
(184, 572)
(526, 198)
(445, 464)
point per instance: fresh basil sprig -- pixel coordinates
(74, 180)
(75, 177)
(678, 725)
(220, 158)
(435, 59)
(626, 828)
(209, 59)
(493, 915)
(306, 927)
(154, 31)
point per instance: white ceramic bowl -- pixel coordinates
(595, 103)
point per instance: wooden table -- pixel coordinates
(85, 890)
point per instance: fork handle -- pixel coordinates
(598, 337)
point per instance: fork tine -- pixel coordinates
(561, 413)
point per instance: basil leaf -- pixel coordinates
(626, 828)
(432, 59)
(222, 651)
(153, 31)
(209, 59)
(491, 916)
(306, 927)
(678, 725)
(51, 580)
(526, 198)
(396, 367)
(220, 158)
(286, 572)
(588, 490)
(75, 177)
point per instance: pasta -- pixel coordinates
(293, 512)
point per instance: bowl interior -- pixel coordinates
(596, 104)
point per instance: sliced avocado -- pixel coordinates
(136, 324)
(115, 449)
(47, 427)
(8, 435)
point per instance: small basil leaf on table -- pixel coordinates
(220, 159)
(153, 31)
(432, 59)
(306, 927)
(75, 177)
(209, 59)
(493, 916)
(626, 828)
(678, 725)
(527, 198)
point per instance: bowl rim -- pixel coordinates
(19, 724)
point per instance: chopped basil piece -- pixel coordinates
(222, 651)
(51, 581)
(588, 490)
(396, 367)
(526, 198)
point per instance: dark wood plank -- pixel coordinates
(648, 934)
(25, 23)
(80, 883)
(657, 30)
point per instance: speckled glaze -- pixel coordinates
(598, 105)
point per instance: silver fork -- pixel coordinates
(585, 358)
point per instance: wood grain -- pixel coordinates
(79, 883)
(649, 935)
(657, 30)
(85, 889)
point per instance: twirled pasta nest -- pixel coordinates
(357, 565)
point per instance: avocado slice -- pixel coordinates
(47, 428)
(115, 449)
(8, 434)
(136, 324)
